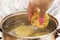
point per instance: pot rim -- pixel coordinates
(17, 13)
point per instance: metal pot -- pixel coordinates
(11, 19)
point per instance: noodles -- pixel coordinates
(35, 20)
(23, 30)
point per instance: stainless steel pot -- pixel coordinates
(11, 19)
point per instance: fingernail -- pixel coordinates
(41, 20)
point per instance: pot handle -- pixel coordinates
(1, 32)
(58, 33)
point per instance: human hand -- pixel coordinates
(42, 4)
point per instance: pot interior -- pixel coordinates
(11, 23)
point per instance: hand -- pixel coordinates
(42, 4)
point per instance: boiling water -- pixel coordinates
(10, 26)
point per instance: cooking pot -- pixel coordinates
(13, 19)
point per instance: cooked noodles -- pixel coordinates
(23, 30)
(35, 20)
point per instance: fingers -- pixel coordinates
(30, 11)
(43, 4)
